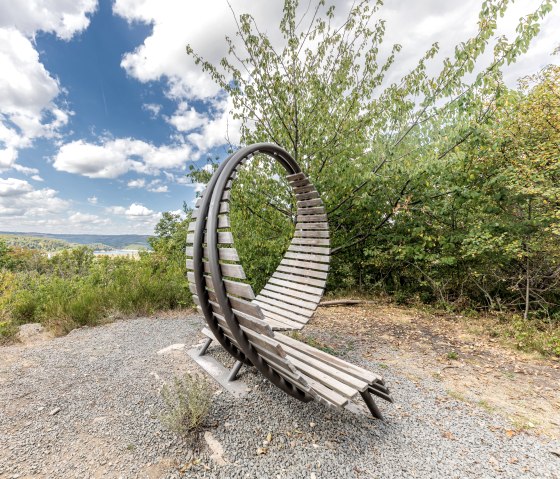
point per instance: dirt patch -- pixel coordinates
(473, 368)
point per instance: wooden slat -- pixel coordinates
(289, 299)
(196, 212)
(312, 226)
(231, 270)
(318, 210)
(304, 265)
(312, 241)
(309, 249)
(223, 221)
(192, 226)
(318, 258)
(291, 308)
(239, 289)
(313, 202)
(304, 189)
(338, 363)
(313, 298)
(226, 195)
(323, 378)
(296, 176)
(328, 394)
(224, 207)
(307, 196)
(246, 307)
(319, 276)
(224, 237)
(258, 325)
(300, 183)
(192, 288)
(216, 307)
(311, 218)
(275, 309)
(198, 202)
(348, 379)
(286, 280)
(225, 254)
(285, 322)
(311, 234)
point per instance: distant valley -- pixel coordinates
(56, 242)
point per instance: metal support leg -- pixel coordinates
(373, 409)
(205, 347)
(234, 371)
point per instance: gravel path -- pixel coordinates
(87, 405)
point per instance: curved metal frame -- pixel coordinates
(210, 208)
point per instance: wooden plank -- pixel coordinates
(192, 288)
(230, 270)
(318, 258)
(304, 265)
(246, 307)
(258, 325)
(349, 380)
(307, 196)
(285, 322)
(243, 290)
(198, 202)
(281, 280)
(312, 226)
(196, 212)
(311, 218)
(283, 312)
(318, 210)
(313, 202)
(226, 195)
(338, 363)
(296, 176)
(190, 264)
(291, 308)
(311, 234)
(300, 183)
(329, 395)
(312, 241)
(216, 307)
(309, 249)
(224, 237)
(313, 298)
(224, 207)
(223, 221)
(192, 226)
(304, 189)
(289, 299)
(225, 254)
(323, 378)
(306, 275)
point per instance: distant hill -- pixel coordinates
(70, 240)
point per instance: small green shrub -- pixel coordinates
(187, 403)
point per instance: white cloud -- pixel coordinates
(78, 218)
(139, 183)
(138, 217)
(37, 178)
(93, 200)
(64, 18)
(153, 109)
(14, 187)
(28, 109)
(113, 158)
(158, 189)
(20, 202)
(186, 118)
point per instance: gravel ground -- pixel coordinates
(87, 405)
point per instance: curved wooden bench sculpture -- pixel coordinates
(245, 324)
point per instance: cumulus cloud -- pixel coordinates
(153, 109)
(138, 217)
(79, 218)
(19, 201)
(114, 158)
(93, 200)
(29, 92)
(139, 183)
(64, 18)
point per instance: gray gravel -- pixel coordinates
(87, 405)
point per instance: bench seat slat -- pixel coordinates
(289, 299)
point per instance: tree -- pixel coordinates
(370, 145)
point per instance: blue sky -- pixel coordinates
(101, 110)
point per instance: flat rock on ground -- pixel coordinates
(87, 405)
